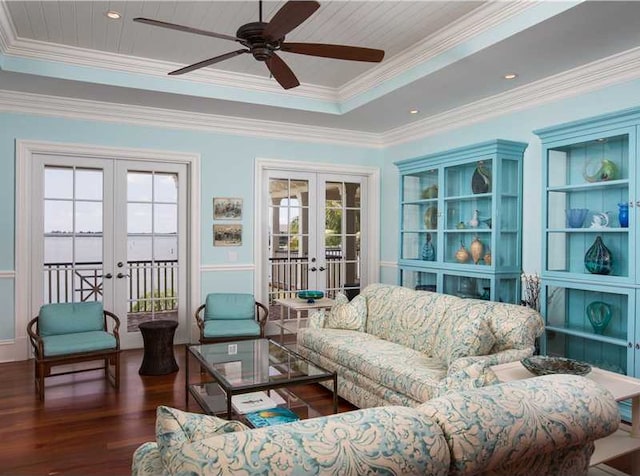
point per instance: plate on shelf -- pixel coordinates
(545, 365)
(310, 296)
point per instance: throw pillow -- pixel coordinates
(349, 316)
(175, 427)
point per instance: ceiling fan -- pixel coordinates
(264, 39)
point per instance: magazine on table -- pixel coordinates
(272, 416)
(252, 402)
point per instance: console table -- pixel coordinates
(627, 439)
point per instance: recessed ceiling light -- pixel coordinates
(413, 111)
(113, 15)
(510, 76)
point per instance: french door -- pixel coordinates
(113, 231)
(314, 233)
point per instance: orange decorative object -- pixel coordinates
(477, 250)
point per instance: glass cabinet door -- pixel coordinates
(420, 216)
(588, 187)
(419, 280)
(468, 213)
(472, 287)
(590, 323)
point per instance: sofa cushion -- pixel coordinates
(405, 316)
(463, 331)
(385, 440)
(231, 328)
(392, 365)
(70, 318)
(350, 315)
(78, 342)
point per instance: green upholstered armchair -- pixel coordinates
(66, 333)
(231, 316)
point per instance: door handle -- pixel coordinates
(322, 268)
(314, 269)
(107, 276)
(120, 275)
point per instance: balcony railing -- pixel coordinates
(151, 284)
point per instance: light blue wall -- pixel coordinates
(517, 126)
(227, 169)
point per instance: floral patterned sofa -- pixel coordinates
(395, 346)
(539, 426)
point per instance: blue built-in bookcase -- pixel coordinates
(592, 165)
(461, 221)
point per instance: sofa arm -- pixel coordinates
(383, 440)
(316, 319)
(526, 424)
(502, 357)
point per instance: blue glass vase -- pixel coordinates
(597, 259)
(428, 250)
(599, 314)
(623, 214)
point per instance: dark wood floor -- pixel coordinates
(84, 427)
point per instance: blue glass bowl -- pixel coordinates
(310, 296)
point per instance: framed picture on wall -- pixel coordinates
(227, 208)
(227, 235)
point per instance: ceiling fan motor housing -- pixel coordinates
(253, 36)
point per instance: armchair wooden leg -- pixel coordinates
(40, 379)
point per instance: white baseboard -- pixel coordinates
(14, 350)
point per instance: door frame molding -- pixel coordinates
(262, 165)
(25, 150)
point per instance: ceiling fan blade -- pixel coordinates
(344, 52)
(291, 15)
(188, 29)
(281, 72)
(207, 62)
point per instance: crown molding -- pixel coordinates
(615, 69)
(479, 20)
(7, 30)
(73, 108)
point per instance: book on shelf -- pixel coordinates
(252, 402)
(272, 416)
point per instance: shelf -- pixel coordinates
(588, 335)
(475, 196)
(588, 230)
(590, 186)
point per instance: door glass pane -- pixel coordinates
(58, 182)
(152, 247)
(342, 237)
(73, 234)
(289, 228)
(88, 184)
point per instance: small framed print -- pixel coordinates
(227, 208)
(227, 235)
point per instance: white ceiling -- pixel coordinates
(439, 55)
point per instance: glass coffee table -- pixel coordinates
(250, 366)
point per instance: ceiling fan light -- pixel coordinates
(113, 15)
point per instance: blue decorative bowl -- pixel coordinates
(310, 296)
(543, 365)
